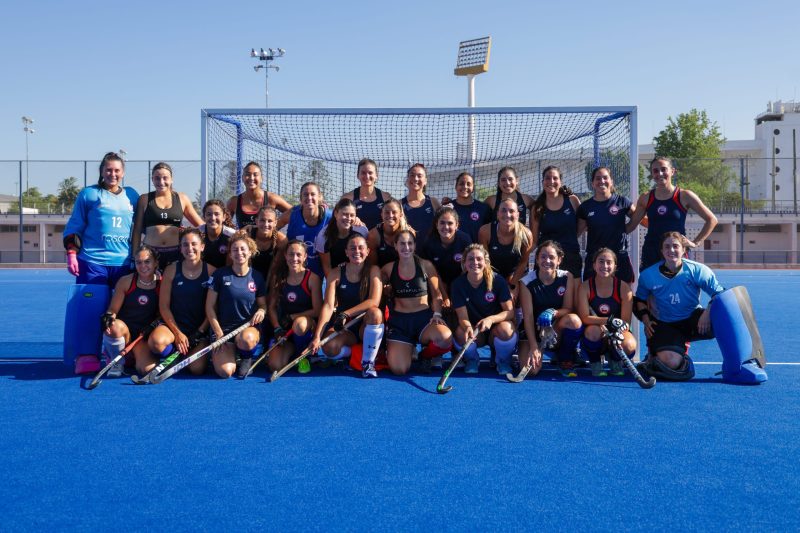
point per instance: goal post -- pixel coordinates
(325, 145)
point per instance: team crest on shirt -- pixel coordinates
(474, 216)
(662, 210)
(613, 209)
(143, 299)
(561, 291)
(489, 296)
(457, 258)
(604, 309)
(223, 249)
(251, 286)
(291, 296)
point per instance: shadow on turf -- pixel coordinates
(36, 371)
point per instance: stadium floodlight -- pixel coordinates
(473, 59)
(267, 56)
(123, 154)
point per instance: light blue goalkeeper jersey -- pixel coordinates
(676, 298)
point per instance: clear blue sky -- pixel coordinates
(98, 76)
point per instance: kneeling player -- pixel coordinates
(673, 287)
(604, 304)
(482, 297)
(353, 288)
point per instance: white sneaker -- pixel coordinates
(116, 369)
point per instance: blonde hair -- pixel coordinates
(403, 222)
(521, 239)
(488, 273)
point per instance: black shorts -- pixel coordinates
(355, 329)
(572, 263)
(407, 327)
(674, 336)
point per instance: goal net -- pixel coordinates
(325, 145)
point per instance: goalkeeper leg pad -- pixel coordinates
(737, 334)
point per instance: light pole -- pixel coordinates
(473, 59)
(267, 56)
(26, 127)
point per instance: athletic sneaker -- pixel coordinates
(243, 367)
(436, 363)
(304, 366)
(598, 371)
(116, 369)
(568, 369)
(504, 368)
(615, 368)
(368, 369)
(471, 366)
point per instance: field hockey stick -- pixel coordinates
(280, 342)
(125, 351)
(171, 371)
(546, 337)
(278, 373)
(157, 370)
(649, 384)
(440, 388)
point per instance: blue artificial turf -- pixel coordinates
(331, 451)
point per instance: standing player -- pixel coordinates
(509, 243)
(604, 215)
(666, 206)
(306, 221)
(418, 207)
(353, 288)
(555, 219)
(549, 301)
(159, 215)
(413, 282)
(182, 303)
(217, 230)
(673, 286)
(601, 299)
(269, 241)
(472, 213)
(331, 243)
(237, 295)
(245, 206)
(381, 238)
(367, 198)
(97, 236)
(484, 307)
(295, 302)
(133, 306)
(508, 188)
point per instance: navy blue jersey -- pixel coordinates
(140, 306)
(298, 229)
(605, 223)
(472, 217)
(446, 259)
(262, 261)
(296, 298)
(560, 226)
(503, 257)
(244, 218)
(386, 252)
(420, 218)
(368, 212)
(523, 209)
(548, 296)
(236, 296)
(216, 252)
(348, 293)
(338, 247)
(188, 299)
(663, 216)
(605, 306)
(409, 288)
(479, 301)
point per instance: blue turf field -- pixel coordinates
(330, 451)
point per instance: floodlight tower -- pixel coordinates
(267, 56)
(473, 59)
(26, 127)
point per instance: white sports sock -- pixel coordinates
(504, 349)
(373, 335)
(113, 345)
(344, 352)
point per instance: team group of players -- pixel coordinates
(447, 276)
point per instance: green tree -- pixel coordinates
(67, 193)
(694, 142)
